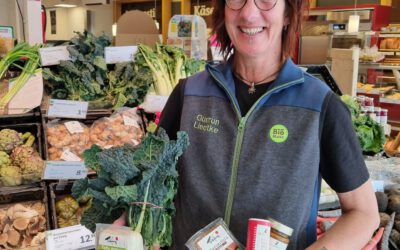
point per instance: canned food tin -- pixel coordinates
(258, 234)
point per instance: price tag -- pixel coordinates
(67, 155)
(70, 238)
(65, 170)
(6, 32)
(129, 121)
(388, 100)
(67, 109)
(74, 127)
(53, 55)
(120, 54)
(154, 103)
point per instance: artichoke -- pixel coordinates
(9, 139)
(4, 159)
(10, 176)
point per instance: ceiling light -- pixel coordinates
(63, 5)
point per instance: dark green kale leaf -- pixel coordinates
(90, 158)
(119, 164)
(125, 194)
(98, 213)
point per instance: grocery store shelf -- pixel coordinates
(390, 34)
(378, 66)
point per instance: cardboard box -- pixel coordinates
(136, 27)
(27, 98)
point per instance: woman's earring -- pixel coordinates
(285, 28)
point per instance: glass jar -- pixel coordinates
(280, 234)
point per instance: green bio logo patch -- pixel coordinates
(278, 133)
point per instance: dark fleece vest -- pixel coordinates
(265, 164)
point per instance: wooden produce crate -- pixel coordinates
(58, 192)
(33, 201)
(28, 180)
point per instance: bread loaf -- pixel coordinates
(383, 44)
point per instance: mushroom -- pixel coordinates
(3, 239)
(42, 223)
(33, 227)
(21, 224)
(13, 238)
(6, 228)
(39, 207)
(38, 239)
(27, 239)
(20, 211)
(3, 219)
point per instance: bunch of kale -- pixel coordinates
(126, 175)
(86, 76)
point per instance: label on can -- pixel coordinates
(258, 234)
(217, 238)
(277, 244)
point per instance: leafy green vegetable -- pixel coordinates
(86, 76)
(168, 64)
(370, 133)
(21, 52)
(142, 181)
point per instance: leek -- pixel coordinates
(22, 51)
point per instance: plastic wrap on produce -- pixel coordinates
(122, 127)
(67, 140)
(384, 169)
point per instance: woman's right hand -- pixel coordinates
(121, 221)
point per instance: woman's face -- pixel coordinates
(254, 32)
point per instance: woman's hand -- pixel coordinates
(121, 221)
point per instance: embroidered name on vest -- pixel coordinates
(206, 124)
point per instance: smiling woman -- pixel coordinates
(279, 131)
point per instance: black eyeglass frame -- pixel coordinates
(244, 3)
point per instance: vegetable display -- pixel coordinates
(86, 76)
(23, 52)
(168, 64)
(370, 133)
(69, 211)
(22, 225)
(19, 163)
(141, 181)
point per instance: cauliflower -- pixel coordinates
(10, 176)
(9, 139)
(4, 159)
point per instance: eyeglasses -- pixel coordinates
(261, 4)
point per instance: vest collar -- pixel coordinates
(223, 72)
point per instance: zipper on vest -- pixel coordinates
(235, 165)
(239, 140)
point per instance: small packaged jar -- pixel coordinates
(377, 111)
(384, 116)
(279, 236)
